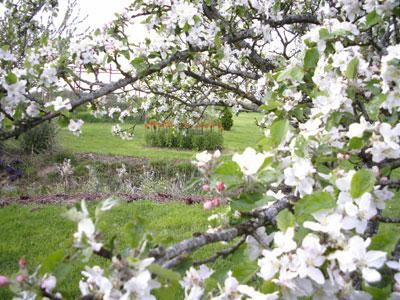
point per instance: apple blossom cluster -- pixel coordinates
(138, 285)
(86, 236)
(123, 134)
(308, 268)
(28, 285)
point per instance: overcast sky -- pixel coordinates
(99, 12)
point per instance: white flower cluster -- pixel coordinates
(60, 104)
(205, 161)
(138, 285)
(385, 143)
(85, 237)
(75, 126)
(390, 72)
(249, 161)
(123, 134)
(299, 175)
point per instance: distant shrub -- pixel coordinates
(39, 139)
(199, 139)
(87, 117)
(227, 119)
(169, 168)
(62, 155)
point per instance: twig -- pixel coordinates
(387, 219)
(221, 253)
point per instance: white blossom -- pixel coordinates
(249, 161)
(75, 126)
(299, 175)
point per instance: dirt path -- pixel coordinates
(73, 198)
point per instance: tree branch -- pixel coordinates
(265, 216)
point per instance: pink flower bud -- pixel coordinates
(4, 281)
(206, 188)
(20, 278)
(384, 180)
(22, 262)
(216, 202)
(346, 156)
(340, 156)
(208, 205)
(220, 186)
(376, 171)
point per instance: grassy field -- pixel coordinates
(97, 138)
(35, 231)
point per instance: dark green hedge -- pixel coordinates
(185, 139)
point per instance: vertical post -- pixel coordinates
(110, 73)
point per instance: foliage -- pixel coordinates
(227, 119)
(185, 139)
(201, 137)
(90, 118)
(40, 139)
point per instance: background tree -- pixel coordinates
(227, 119)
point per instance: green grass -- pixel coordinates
(97, 138)
(35, 231)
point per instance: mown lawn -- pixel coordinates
(35, 231)
(97, 138)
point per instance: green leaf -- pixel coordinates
(356, 143)
(229, 172)
(52, 261)
(374, 105)
(228, 168)
(278, 131)
(373, 18)
(295, 73)
(245, 271)
(270, 102)
(269, 287)
(324, 34)
(139, 63)
(164, 273)
(310, 204)
(363, 181)
(386, 238)
(125, 53)
(134, 232)
(351, 70)
(378, 293)
(285, 219)
(395, 174)
(180, 67)
(186, 27)
(311, 58)
(63, 121)
(11, 78)
(246, 201)
(171, 291)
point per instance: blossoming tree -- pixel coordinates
(304, 207)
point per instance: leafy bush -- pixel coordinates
(184, 139)
(62, 155)
(168, 168)
(39, 139)
(87, 117)
(227, 119)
